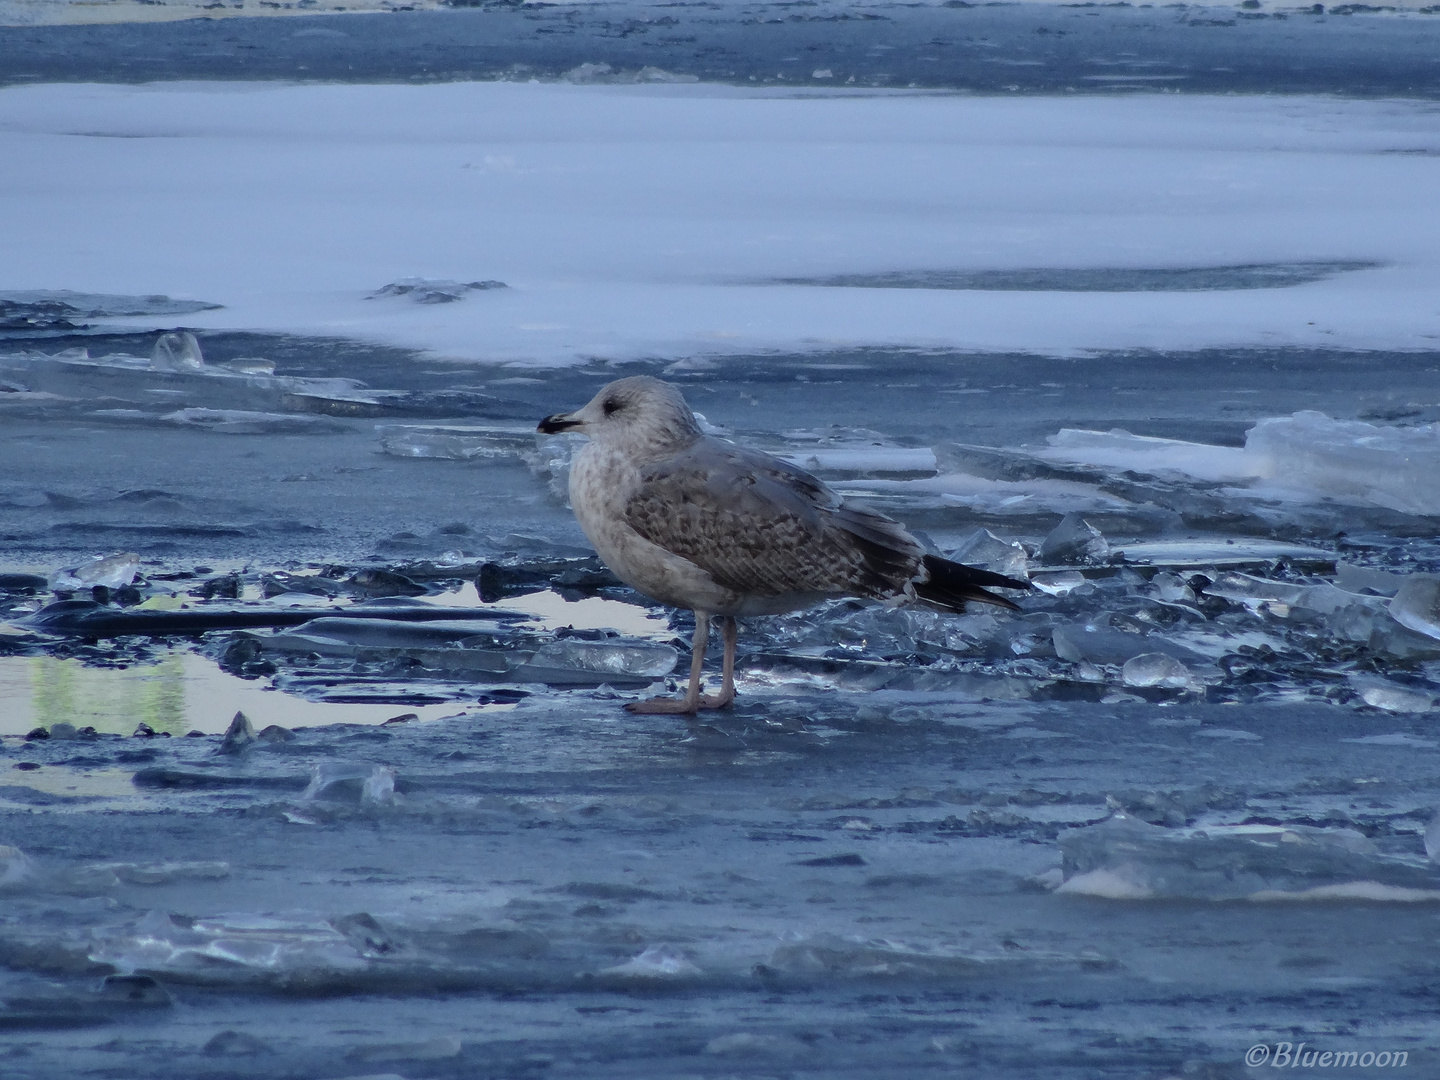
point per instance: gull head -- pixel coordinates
(638, 415)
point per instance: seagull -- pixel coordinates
(701, 523)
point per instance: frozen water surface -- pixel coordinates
(442, 833)
(312, 755)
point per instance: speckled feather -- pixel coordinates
(763, 527)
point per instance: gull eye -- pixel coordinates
(611, 406)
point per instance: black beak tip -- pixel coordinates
(553, 425)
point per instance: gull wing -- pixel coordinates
(760, 526)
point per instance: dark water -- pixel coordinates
(986, 48)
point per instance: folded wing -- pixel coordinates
(761, 526)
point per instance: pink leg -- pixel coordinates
(727, 686)
(691, 701)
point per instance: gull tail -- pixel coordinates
(951, 585)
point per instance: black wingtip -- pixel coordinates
(953, 585)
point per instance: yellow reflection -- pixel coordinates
(110, 700)
(178, 693)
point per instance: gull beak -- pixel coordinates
(553, 425)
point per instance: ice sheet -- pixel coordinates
(1305, 457)
(548, 188)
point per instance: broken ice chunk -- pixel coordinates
(239, 735)
(379, 787)
(1074, 540)
(177, 351)
(1158, 670)
(1350, 616)
(227, 948)
(246, 422)
(249, 365)
(1119, 449)
(644, 658)
(1391, 697)
(1353, 578)
(1252, 591)
(1058, 584)
(1171, 588)
(1416, 604)
(1350, 460)
(1401, 642)
(839, 460)
(656, 962)
(1123, 858)
(110, 571)
(1230, 551)
(1105, 645)
(366, 933)
(1432, 839)
(985, 550)
(15, 866)
(454, 442)
(550, 461)
(374, 784)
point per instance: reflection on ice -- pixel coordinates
(178, 693)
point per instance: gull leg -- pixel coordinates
(691, 701)
(727, 688)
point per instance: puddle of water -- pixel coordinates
(182, 692)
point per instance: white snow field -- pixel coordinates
(649, 221)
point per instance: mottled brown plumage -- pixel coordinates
(702, 523)
(762, 526)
